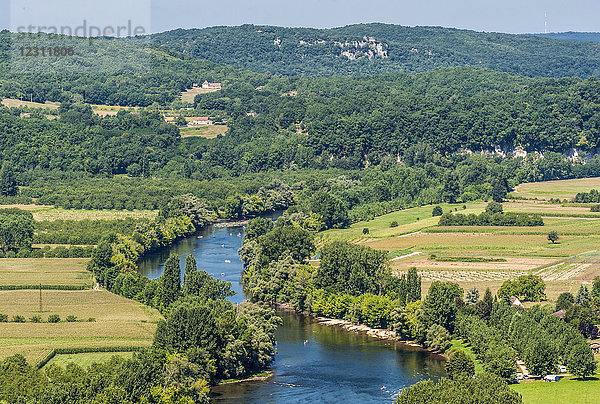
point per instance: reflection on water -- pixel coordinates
(335, 365)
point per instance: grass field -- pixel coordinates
(567, 390)
(562, 189)
(564, 266)
(86, 359)
(12, 103)
(209, 132)
(189, 95)
(50, 213)
(47, 271)
(118, 322)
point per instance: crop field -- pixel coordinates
(209, 132)
(47, 271)
(117, 322)
(189, 95)
(562, 189)
(486, 256)
(86, 359)
(12, 103)
(50, 213)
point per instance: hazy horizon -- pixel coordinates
(509, 16)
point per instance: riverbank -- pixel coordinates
(259, 377)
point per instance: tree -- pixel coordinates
(451, 188)
(180, 121)
(499, 359)
(170, 281)
(439, 307)
(494, 207)
(352, 269)
(438, 338)
(553, 237)
(500, 189)
(596, 288)
(413, 286)
(331, 209)
(564, 301)
(580, 361)
(285, 237)
(583, 296)
(472, 296)
(257, 227)
(483, 308)
(16, 230)
(541, 357)
(8, 183)
(460, 365)
(483, 388)
(437, 211)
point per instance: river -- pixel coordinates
(334, 365)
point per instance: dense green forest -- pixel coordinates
(375, 143)
(105, 71)
(380, 48)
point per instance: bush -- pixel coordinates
(460, 365)
(595, 208)
(3, 318)
(18, 319)
(438, 338)
(91, 320)
(36, 319)
(394, 224)
(54, 318)
(71, 319)
(437, 211)
(365, 230)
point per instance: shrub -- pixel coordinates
(3, 318)
(394, 224)
(18, 319)
(53, 318)
(36, 319)
(437, 211)
(91, 320)
(71, 319)
(460, 365)
(366, 230)
(595, 208)
(438, 338)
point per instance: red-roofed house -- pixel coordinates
(200, 121)
(211, 86)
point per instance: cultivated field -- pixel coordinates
(13, 103)
(50, 213)
(47, 271)
(447, 253)
(189, 95)
(118, 322)
(563, 189)
(86, 359)
(209, 132)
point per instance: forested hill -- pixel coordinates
(380, 48)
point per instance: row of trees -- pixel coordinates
(486, 219)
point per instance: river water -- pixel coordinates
(314, 363)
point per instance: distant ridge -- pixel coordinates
(366, 49)
(571, 36)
